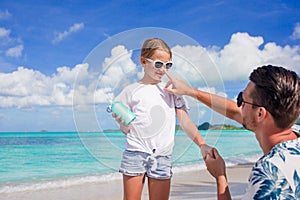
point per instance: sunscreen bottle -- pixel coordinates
(120, 109)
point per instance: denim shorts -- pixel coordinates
(135, 163)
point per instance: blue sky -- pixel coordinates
(43, 46)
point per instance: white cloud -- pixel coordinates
(233, 62)
(237, 59)
(6, 39)
(25, 87)
(116, 72)
(15, 51)
(194, 64)
(296, 33)
(62, 35)
(28, 88)
(117, 66)
(4, 32)
(4, 14)
(11, 47)
(76, 27)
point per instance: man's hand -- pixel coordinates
(179, 87)
(216, 167)
(215, 164)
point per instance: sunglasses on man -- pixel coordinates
(159, 64)
(240, 100)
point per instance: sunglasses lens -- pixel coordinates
(158, 64)
(168, 65)
(239, 99)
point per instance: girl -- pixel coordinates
(150, 137)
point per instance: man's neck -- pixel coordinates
(272, 138)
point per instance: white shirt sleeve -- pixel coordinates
(179, 102)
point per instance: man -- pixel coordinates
(268, 106)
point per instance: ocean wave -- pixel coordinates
(242, 160)
(232, 161)
(58, 183)
(80, 180)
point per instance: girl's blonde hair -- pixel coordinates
(152, 44)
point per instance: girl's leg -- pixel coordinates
(133, 187)
(159, 189)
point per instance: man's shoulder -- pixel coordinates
(280, 151)
(289, 147)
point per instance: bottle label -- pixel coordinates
(120, 109)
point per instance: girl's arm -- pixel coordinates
(191, 130)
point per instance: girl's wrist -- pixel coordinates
(200, 145)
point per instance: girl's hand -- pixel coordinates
(206, 149)
(125, 129)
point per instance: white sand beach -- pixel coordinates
(190, 185)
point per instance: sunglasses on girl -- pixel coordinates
(159, 64)
(240, 100)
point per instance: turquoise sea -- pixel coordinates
(37, 160)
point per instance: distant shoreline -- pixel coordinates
(204, 126)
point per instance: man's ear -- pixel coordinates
(261, 113)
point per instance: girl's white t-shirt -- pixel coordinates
(154, 127)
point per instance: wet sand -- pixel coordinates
(192, 185)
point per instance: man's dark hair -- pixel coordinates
(278, 90)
